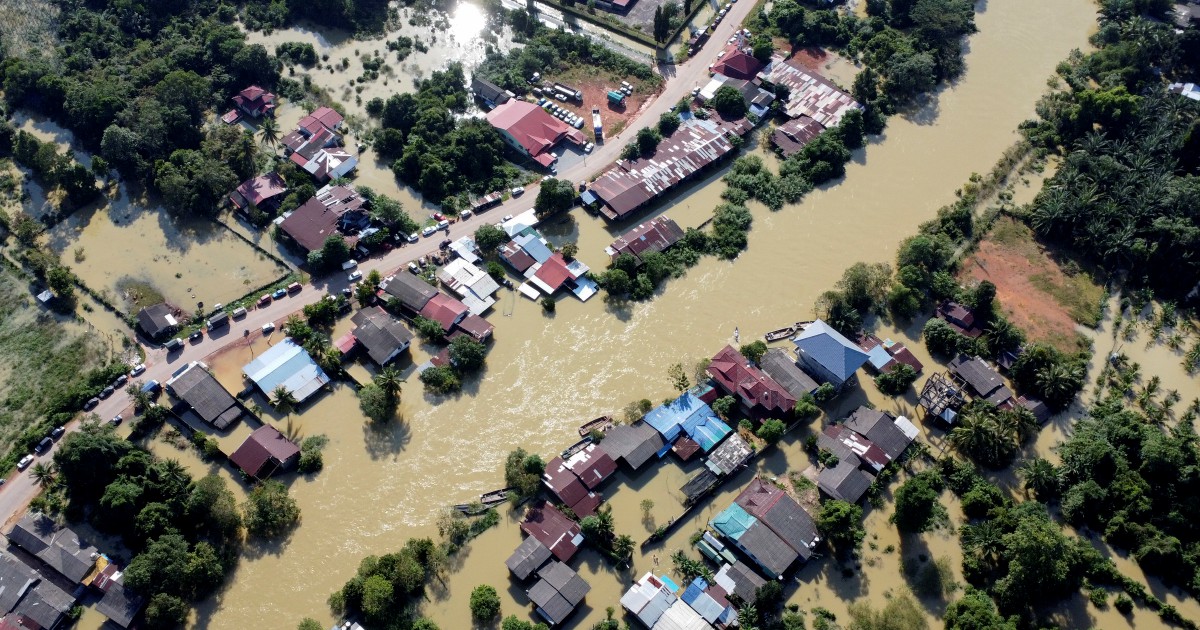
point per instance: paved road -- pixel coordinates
(20, 489)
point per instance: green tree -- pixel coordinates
(554, 196)
(724, 406)
(335, 251)
(441, 379)
(44, 474)
(841, 524)
(523, 471)
(428, 329)
(678, 377)
(485, 603)
(897, 380)
(378, 596)
(570, 251)
(917, 508)
(728, 102)
(980, 436)
(61, 281)
(940, 338)
(616, 283)
(467, 355)
(308, 623)
(754, 350)
(375, 403)
(270, 512)
(489, 238)
(166, 611)
(1041, 478)
(268, 131)
(283, 401)
(388, 379)
(668, 123)
(976, 611)
(647, 140)
(771, 431)
(900, 613)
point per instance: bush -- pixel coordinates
(485, 603)
(270, 512)
(941, 339)
(896, 381)
(771, 431)
(917, 505)
(1123, 604)
(441, 379)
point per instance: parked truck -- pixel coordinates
(616, 97)
(596, 124)
(569, 92)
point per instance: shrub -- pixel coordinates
(485, 603)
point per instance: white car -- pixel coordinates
(355, 277)
(137, 369)
(429, 230)
(587, 148)
(465, 214)
(25, 462)
(268, 328)
(414, 237)
(517, 192)
(507, 217)
(443, 224)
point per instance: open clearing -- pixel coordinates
(1042, 296)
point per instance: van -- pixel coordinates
(174, 345)
(414, 237)
(43, 446)
(443, 224)
(429, 231)
(293, 287)
(349, 264)
(239, 313)
(151, 387)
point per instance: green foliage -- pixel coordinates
(511, 622)
(728, 102)
(54, 169)
(841, 524)
(489, 238)
(900, 613)
(523, 471)
(554, 196)
(917, 506)
(384, 587)
(270, 512)
(754, 350)
(989, 436)
(897, 380)
(308, 623)
(375, 403)
(551, 51)
(724, 406)
(166, 611)
(1050, 375)
(467, 355)
(730, 224)
(976, 611)
(428, 329)
(771, 431)
(941, 339)
(441, 379)
(668, 123)
(689, 568)
(485, 603)
(825, 392)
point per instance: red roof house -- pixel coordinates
(959, 317)
(592, 466)
(264, 452)
(553, 529)
(530, 130)
(263, 192)
(445, 310)
(255, 101)
(553, 273)
(654, 235)
(516, 257)
(323, 117)
(758, 393)
(738, 65)
(477, 327)
(795, 134)
(564, 483)
(323, 215)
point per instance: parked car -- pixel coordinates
(121, 380)
(106, 392)
(429, 231)
(268, 328)
(443, 224)
(175, 344)
(465, 214)
(294, 287)
(281, 293)
(58, 432)
(264, 300)
(239, 313)
(196, 337)
(43, 446)
(25, 462)
(587, 148)
(355, 276)
(507, 217)
(349, 264)
(444, 244)
(116, 420)
(138, 369)
(437, 216)
(518, 191)
(414, 237)
(412, 267)
(151, 387)
(91, 404)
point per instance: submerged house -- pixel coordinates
(118, 603)
(654, 235)
(757, 393)
(845, 481)
(781, 367)
(592, 465)
(531, 131)
(264, 192)
(981, 381)
(781, 514)
(529, 556)
(384, 337)
(28, 600)
(255, 102)
(809, 94)
(197, 388)
(890, 433)
(333, 211)
(792, 136)
(553, 529)
(687, 416)
(412, 292)
(558, 592)
(265, 452)
(59, 547)
(828, 355)
(635, 444)
(316, 146)
(569, 489)
(286, 365)
(157, 322)
(491, 94)
(474, 286)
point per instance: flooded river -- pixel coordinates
(547, 374)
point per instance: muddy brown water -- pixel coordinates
(548, 374)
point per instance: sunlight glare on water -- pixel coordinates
(467, 22)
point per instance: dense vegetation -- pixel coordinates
(385, 587)
(186, 534)
(134, 86)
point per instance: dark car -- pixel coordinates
(196, 336)
(43, 446)
(116, 420)
(106, 392)
(91, 404)
(444, 244)
(121, 380)
(57, 432)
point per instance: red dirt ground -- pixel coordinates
(1010, 258)
(595, 93)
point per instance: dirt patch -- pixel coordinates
(1043, 296)
(595, 87)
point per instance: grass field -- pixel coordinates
(28, 25)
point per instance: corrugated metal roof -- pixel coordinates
(809, 94)
(830, 349)
(733, 522)
(289, 365)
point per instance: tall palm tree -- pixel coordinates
(389, 381)
(1059, 381)
(1041, 478)
(981, 438)
(283, 401)
(623, 547)
(268, 131)
(44, 474)
(984, 539)
(1020, 423)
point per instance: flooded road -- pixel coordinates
(548, 374)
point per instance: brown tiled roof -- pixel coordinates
(553, 529)
(531, 127)
(735, 375)
(738, 65)
(315, 221)
(795, 134)
(258, 190)
(264, 447)
(444, 310)
(476, 326)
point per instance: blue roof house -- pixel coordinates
(827, 355)
(707, 430)
(286, 365)
(673, 419)
(705, 605)
(732, 522)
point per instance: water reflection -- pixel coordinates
(467, 22)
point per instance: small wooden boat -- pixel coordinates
(576, 447)
(784, 333)
(495, 497)
(601, 424)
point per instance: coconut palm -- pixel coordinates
(389, 381)
(44, 474)
(748, 617)
(1020, 424)
(1058, 382)
(984, 539)
(622, 547)
(1041, 478)
(283, 401)
(268, 131)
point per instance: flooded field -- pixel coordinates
(548, 374)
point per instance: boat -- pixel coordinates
(576, 447)
(495, 497)
(601, 424)
(784, 333)
(737, 335)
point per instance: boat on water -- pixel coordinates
(784, 333)
(495, 497)
(601, 424)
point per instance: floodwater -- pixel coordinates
(548, 374)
